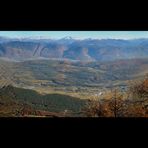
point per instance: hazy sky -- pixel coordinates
(77, 34)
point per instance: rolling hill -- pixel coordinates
(18, 102)
(51, 73)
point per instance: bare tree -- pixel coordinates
(116, 103)
(139, 93)
(94, 108)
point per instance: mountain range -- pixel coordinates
(73, 49)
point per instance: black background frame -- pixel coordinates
(75, 19)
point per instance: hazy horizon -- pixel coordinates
(125, 35)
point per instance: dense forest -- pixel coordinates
(23, 98)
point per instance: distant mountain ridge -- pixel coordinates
(73, 49)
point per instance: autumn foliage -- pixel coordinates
(116, 105)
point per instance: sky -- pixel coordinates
(76, 34)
